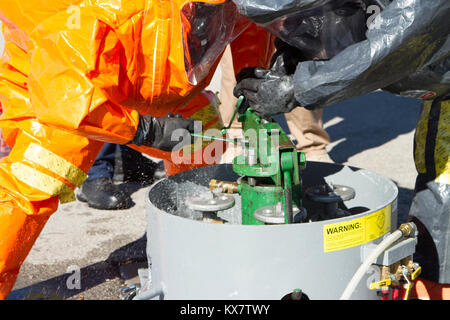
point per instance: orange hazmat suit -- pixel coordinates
(75, 74)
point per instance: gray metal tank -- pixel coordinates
(196, 260)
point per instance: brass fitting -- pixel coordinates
(407, 229)
(227, 187)
(396, 271)
(408, 263)
(385, 272)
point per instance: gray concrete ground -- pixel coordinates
(373, 132)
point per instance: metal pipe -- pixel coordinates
(226, 186)
(237, 141)
(251, 161)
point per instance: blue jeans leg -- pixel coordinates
(103, 166)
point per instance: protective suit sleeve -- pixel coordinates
(157, 132)
(26, 15)
(406, 37)
(253, 48)
(76, 77)
(263, 11)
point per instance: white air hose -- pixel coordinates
(404, 230)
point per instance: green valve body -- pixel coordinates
(270, 166)
(257, 197)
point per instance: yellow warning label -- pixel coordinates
(351, 233)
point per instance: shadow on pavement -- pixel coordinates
(367, 122)
(370, 121)
(91, 276)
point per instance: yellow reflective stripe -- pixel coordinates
(421, 138)
(442, 146)
(67, 197)
(206, 114)
(55, 164)
(42, 182)
(444, 177)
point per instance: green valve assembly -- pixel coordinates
(270, 183)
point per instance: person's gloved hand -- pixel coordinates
(286, 58)
(161, 132)
(269, 92)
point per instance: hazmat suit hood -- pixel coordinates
(406, 51)
(324, 31)
(319, 29)
(405, 48)
(150, 56)
(266, 11)
(207, 30)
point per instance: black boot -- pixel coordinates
(103, 194)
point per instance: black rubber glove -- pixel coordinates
(286, 58)
(271, 92)
(268, 92)
(157, 132)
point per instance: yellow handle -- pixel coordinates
(408, 289)
(379, 284)
(416, 273)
